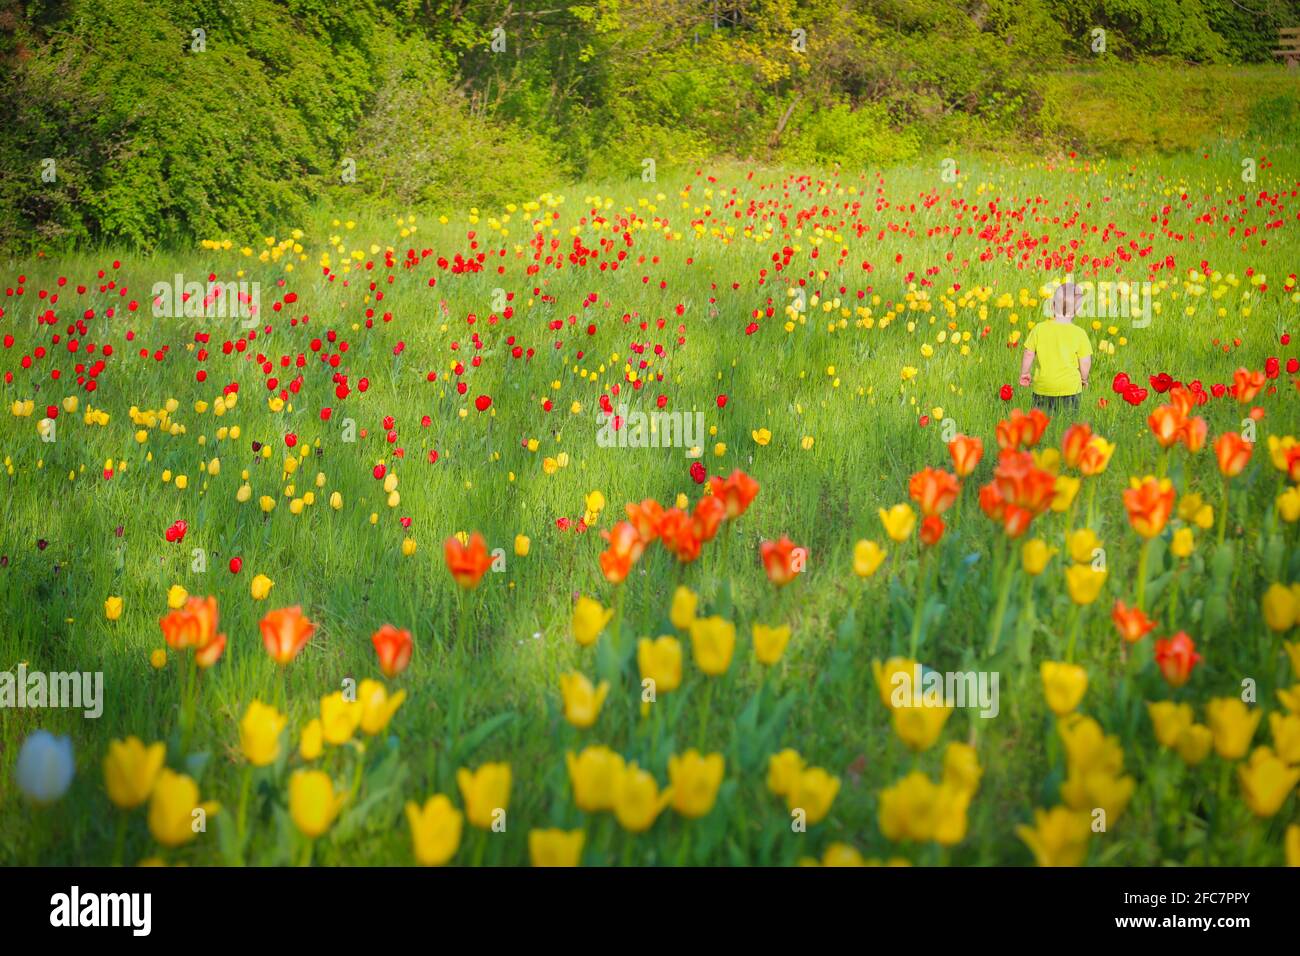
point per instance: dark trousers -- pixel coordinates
(1056, 403)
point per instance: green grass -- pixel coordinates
(496, 695)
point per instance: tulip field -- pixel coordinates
(692, 522)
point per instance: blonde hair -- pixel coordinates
(1065, 300)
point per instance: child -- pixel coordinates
(1063, 351)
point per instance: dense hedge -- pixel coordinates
(122, 124)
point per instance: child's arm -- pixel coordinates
(1085, 366)
(1027, 365)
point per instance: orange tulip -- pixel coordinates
(1233, 452)
(934, 490)
(625, 547)
(1019, 491)
(1194, 433)
(1246, 385)
(966, 453)
(736, 491)
(192, 625)
(1182, 398)
(1132, 623)
(467, 563)
(1149, 504)
(205, 657)
(709, 514)
(677, 532)
(931, 530)
(1167, 423)
(1176, 657)
(1073, 444)
(285, 632)
(782, 560)
(1022, 429)
(1096, 457)
(645, 518)
(393, 646)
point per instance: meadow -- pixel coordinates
(337, 473)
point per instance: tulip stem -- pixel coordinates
(242, 819)
(1074, 634)
(119, 841)
(1173, 601)
(1223, 513)
(1004, 595)
(1143, 557)
(922, 579)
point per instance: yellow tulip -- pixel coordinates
(339, 718)
(841, 854)
(682, 613)
(1194, 744)
(377, 706)
(888, 679)
(1098, 790)
(485, 792)
(1169, 720)
(522, 545)
(898, 521)
(1034, 555)
(1059, 837)
(660, 660)
(582, 701)
(259, 734)
(770, 642)
(261, 587)
(813, 792)
(867, 558)
(783, 770)
(113, 608)
(694, 780)
(713, 641)
(1280, 608)
(1285, 730)
(589, 619)
(555, 847)
(1183, 543)
(311, 744)
(1084, 583)
(1266, 781)
(961, 767)
(1293, 652)
(435, 830)
(1063, 685)
(1233, 724)
(1082, 543)
(919, 727)
(1066, 489)
(1292, 842)
(1288, 505)
(637, 800)
(173, 819)
(176, 596)
(313, 804)
(594, 775)
(130, 771)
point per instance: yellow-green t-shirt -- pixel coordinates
(1058, 346)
